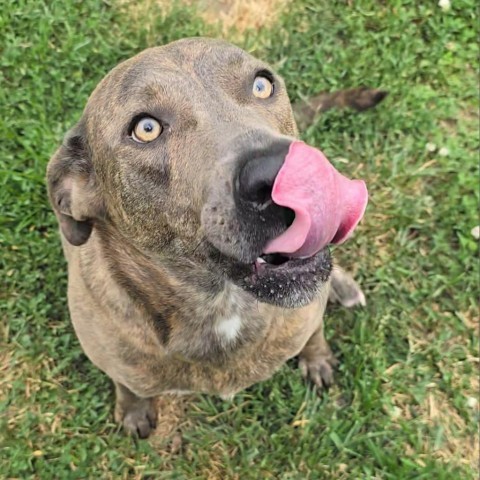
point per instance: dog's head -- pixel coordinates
(178, 150)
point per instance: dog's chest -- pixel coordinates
(212, 333)
(237, 351)
(220, 346)
(228, 329)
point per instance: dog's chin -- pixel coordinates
(279, 280)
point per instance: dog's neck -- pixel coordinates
(194, 312)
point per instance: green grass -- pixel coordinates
(409, 361)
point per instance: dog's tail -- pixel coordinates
(359, 99)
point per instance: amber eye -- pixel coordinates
(146, 130)
(262, 87)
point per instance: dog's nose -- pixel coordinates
(258, 172)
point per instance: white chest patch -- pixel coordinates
(228, 328)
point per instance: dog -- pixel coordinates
(184, 274)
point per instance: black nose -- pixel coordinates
(258, 171)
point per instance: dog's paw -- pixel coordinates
(345, 290)
(139, 419)
(319, 370)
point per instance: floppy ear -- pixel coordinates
(73, 189)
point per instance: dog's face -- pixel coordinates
(177, 151)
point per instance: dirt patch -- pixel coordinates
(441, 413)
(447, 434)
(171, 420)
(241, 15)
(232, 17)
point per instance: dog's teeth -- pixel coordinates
(261, 260)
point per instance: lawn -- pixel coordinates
(405, 403)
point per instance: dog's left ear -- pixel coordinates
(73, 189)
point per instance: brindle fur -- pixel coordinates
(146, 291)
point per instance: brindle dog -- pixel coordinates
(161, 250)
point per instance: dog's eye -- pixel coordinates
(146, 130)
(262, 87)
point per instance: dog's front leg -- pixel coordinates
(317, 361)
(345, 290)
(137, 415)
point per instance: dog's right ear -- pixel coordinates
(73, 189)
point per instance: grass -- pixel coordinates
(403, 406)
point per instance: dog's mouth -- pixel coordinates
(270, 259)
(288, 281)
(314, 206)
(270, 262)
(278, 279)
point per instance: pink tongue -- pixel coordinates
(327, 205)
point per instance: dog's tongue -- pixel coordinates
(327, 205)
